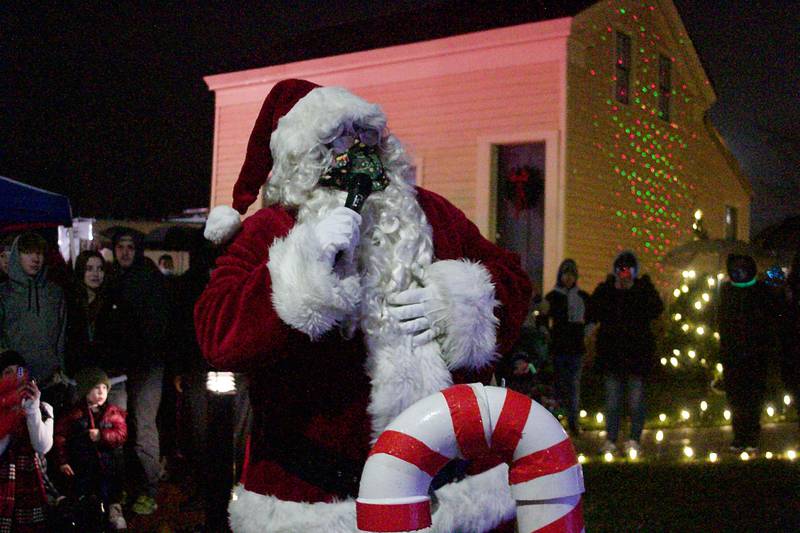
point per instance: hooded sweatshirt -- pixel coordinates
(32, 318)
(567, 311)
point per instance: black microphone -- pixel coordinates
(358, 189)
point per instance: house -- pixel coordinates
(571, 137)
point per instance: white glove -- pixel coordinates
(416, 311)
(338, 231)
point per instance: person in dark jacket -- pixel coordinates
(88, 441)
(790, 364)
(567, 313)
(746, 338)
(137, 326)
(89, 341)
(188, 366)
(624, 306)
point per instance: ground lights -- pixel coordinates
(684, 415)
(689, 453)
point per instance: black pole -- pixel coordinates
(219, 474)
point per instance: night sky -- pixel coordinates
(105, 102)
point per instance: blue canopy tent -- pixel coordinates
(23, 207)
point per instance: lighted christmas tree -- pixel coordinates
(691, 338)
(692, 341)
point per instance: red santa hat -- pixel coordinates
(224, 221)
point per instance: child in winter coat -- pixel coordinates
(89, 443)
(27, 431)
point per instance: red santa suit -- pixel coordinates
(329, 360)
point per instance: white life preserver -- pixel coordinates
(482, 424)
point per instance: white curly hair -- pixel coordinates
(396, 241)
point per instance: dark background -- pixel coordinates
(105, 101)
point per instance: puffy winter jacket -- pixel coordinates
(72, 444)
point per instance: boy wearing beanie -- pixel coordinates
(88, 444)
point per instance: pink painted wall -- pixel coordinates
(441, 98)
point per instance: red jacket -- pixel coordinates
(71, 441)
(311, 431)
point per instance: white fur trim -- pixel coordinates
(467, 318)
(306, 293)
(223, 222)
(475, 504)
(251, 512)
(401, 375)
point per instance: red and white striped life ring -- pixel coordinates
(485, 424)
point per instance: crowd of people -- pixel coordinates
(757, 318)
(615, 323)
(83, 365)
(86, 360)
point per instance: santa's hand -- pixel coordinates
(338, 231)
(413, 309)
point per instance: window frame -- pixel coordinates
(731, 223)
(623, 67)
(664, 87)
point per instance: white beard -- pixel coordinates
(396, 247)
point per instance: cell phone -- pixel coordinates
(20, 371)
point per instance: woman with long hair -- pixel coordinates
(87, 338)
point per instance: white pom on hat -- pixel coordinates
(222, 224)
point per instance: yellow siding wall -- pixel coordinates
(439, 119)
(601, 200)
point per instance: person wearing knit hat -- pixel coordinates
(88, 378)
(11, 358)
(26, 432)
(88, 445)
(567, 317)
(622, 308)
(376, 292)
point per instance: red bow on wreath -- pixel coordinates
(520, 179)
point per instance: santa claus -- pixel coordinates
(343, 319)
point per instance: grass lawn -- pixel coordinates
(758, 496)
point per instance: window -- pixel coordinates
(731, 215)
(664, 86)
(622, 68)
